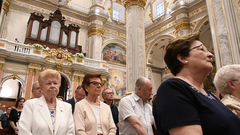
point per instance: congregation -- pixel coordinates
(181, 107)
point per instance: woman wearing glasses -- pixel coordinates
(182, 105)
(91, 116)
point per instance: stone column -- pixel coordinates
(95, 43)
(4, 11)
(225, 29)
(136, 59)
(97, 17)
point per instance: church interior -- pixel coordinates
(120, 39)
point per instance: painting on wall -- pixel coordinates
(117, 81)
(114, 53)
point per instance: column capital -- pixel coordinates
(128, 3)
(182, 25)
(95, 31)
(6, 5)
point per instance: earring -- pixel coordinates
(186, 62)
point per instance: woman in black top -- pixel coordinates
(15, 115)
(182, 105)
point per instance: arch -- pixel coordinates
(119, 42)
(21, 91)
(201, 23)
(64, 90)
(156, 49)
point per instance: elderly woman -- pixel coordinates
(227, 81)
(15, 115)
(182, 105)
(47, 115)
(91, 116)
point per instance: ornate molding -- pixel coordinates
(197, 11)
(31, 71)
(68, 73)
(37, 71)
(168, 25)
(95, 31)
(59, 56)
(1, 66)
(128, 3)
(76, 78)
(182, 25)
(6, 5)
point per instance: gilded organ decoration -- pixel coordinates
(59, 56)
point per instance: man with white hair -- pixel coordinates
(135, 114)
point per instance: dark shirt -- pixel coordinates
(14, 116)
(179, 104)
(72, 102)
(4, 121)
(114, 111)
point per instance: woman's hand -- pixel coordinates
(15, 129)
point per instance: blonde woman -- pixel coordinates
(47, 115)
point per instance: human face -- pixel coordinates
(80, 94)
(8, 110)
(108, 95)
(20, 103)
(37, 92)
(50, 87)
(199, 57)
(146, 91)
(95, 87)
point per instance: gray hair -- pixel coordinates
(225, 74)
(140, 82)
(34, 85)
(103, 92)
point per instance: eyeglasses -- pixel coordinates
(110, 93)
(97, 83)
(204, 49)
(235, 80)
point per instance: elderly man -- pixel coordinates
(36, 90)
(107, 95)
(79, 95)
(135, 114)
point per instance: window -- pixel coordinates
(160, 9)
(115, 15)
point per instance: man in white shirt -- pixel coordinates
(135, 114)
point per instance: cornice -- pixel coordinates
(128, 3)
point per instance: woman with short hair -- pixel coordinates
(47, 115)
(182, 105)
(91, 116)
